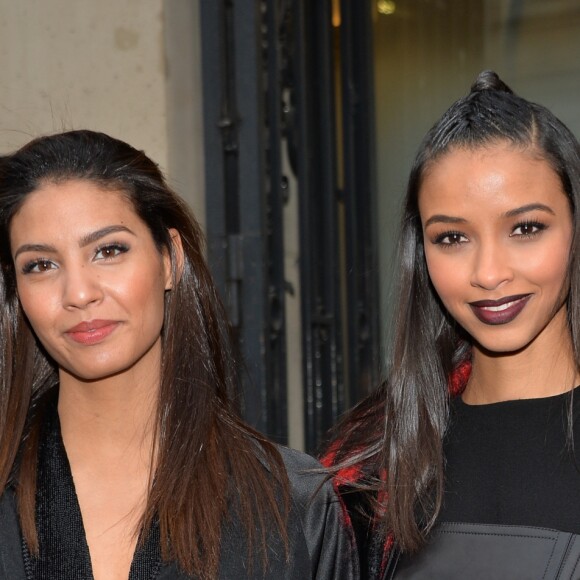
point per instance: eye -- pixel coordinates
(450, 239)
(110, 251)
(527, 229)
(38, 266)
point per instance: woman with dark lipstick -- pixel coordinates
(462, 464)
(121, 451)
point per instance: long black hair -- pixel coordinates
(394, 437)
(207, 460)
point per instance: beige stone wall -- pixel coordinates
(129, 68)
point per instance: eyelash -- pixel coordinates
(439, 240)
(116, 247)
(29, 266)
(537, 226)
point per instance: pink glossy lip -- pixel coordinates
(500, 311)
(92, 331)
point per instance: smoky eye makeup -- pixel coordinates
(37, 265)
(528, 229)
(110, 250)
(449, 238)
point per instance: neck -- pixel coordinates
(541, 369)
(109, 418)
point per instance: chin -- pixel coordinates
(97, 372)
(502, 347)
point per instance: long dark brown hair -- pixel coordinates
(207, 460)
(394, 437)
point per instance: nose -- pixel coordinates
(81, 288)
(492, 267)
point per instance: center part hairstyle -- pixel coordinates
(394, 437)
(208, 463)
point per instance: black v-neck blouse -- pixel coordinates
(321, 541)
(63, 548)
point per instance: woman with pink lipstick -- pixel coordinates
(462, 464)
(121, 451)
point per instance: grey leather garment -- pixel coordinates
(490, 552)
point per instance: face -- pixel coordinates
(90, 280)
(497, 229)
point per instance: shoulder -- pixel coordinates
(310, 482)
(295, 460)
(308, 479)
(318, 521)
(299, 464)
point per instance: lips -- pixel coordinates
(500, 311)
(92, 331)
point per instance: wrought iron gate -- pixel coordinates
(283, 81)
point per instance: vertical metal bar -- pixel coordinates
(213, 48)
(319, 239)
(302, 154)
(276, 367)
(242, 255)
(359, 198)
(251, 209)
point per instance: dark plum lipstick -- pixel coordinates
(499, 311)
(92, 332)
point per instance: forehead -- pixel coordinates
(481, 179)
(61, 208)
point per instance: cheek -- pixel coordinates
(445, 275)
(548, 268)
(37, 307)
(144, 295)
(553, 275)
(42, 314)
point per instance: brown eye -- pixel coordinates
(38, 266)
(450, 239)
(527, 229)
(110, 251)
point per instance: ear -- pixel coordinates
(173, 260)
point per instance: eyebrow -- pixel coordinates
(446, 219)
(529, 207)
(85, 240)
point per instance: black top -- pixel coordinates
(321, 544)
(511, 463)
(509, 468)
(63, 548)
